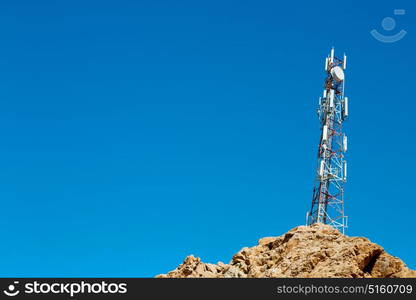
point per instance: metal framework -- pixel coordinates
(331, 175)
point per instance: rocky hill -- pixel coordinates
(305, 251)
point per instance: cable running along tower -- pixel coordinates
(331, 175)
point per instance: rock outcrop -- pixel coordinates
(305, 251)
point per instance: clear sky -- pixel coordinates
(134, 133)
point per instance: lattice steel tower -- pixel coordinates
(331, 175)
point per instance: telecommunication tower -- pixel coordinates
(331, 175)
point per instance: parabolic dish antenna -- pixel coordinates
(337, 73)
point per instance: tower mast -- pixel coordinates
(331, 175)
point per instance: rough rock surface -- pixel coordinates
(305, 251)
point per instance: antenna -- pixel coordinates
(331, 174)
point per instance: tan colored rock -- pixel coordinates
(305, 251)
(266, 240)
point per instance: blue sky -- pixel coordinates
(134, 133)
